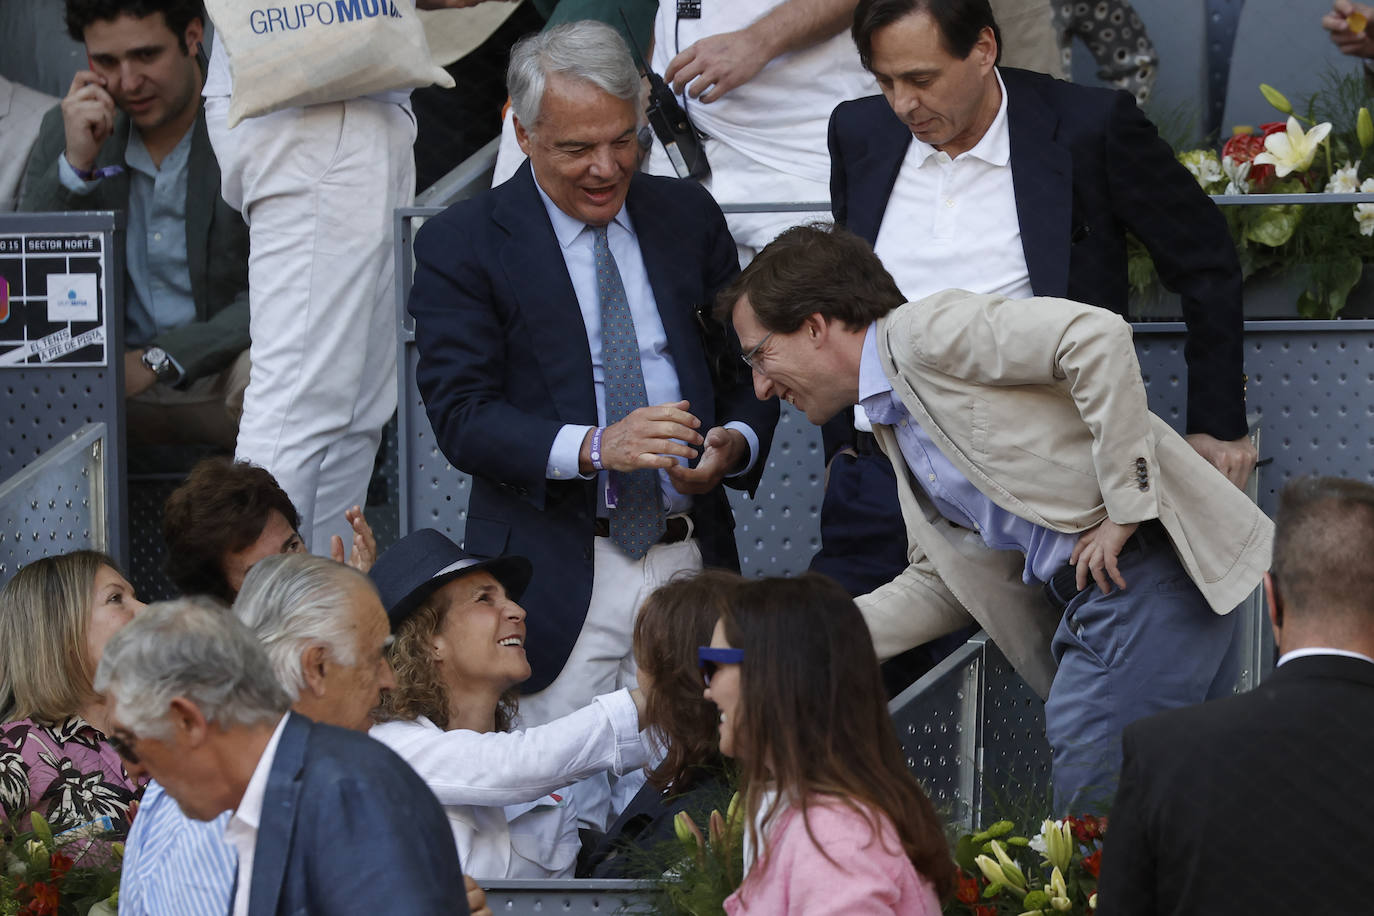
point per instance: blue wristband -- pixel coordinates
(596, 448)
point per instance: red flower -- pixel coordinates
(1245, 147)
(967, 891)
(1093, 863)
(59, 865)
(1088, 828)
(44, 901)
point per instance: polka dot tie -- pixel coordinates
(637, 518)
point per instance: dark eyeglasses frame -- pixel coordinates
(754, 353)
(710, 658)
(123, 747)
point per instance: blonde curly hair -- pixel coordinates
(420, 689)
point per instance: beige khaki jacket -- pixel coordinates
(1040, 404)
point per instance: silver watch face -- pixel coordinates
(156, 359)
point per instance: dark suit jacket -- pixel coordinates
(1256, 804)
(504, 364)
(216, 238)
(348, 827)
(1087, 167)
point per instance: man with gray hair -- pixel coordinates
(324, 632)
(559, 321)
(196, 705)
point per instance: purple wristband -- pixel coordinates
(596, 448)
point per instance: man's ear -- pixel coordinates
(817, 328)
(1275, 602)
(188, 723)
(313, 668)
(194, 36)
(985, 49)
(522, 136)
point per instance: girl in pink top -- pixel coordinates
(836, 822)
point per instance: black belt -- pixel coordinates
(1063, 585)
(676, 528)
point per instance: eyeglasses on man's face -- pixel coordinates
(123, 743)
(750, 357)
(709, 660)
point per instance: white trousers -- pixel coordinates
(317, 187)
(602, 659)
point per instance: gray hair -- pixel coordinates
(294, 601)
(589, 51)
(191, 648)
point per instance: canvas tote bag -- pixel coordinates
(306, 53)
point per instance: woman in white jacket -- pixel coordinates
(458, 656)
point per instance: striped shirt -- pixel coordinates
(174, 864)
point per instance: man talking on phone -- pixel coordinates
(130, 135)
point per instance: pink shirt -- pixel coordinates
(869, 875)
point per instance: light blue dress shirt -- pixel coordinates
(575, 239)
(956, 498)
(174, 865)
(157, 289)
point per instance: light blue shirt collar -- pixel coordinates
(566, 228)
(872, 379)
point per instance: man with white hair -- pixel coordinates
(324, 631)
(559, 322)
(196, 705)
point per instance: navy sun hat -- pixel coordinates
(420, 563)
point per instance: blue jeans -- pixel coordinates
(1153, 646)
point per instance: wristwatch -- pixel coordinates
(157, 360)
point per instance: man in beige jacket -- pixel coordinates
(1041, 496)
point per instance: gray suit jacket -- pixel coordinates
(216, 238)
(21, 112)
(1040, 404)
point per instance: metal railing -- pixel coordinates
(57, 503)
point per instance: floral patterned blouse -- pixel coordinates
(67, 772)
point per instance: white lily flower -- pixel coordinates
(1293, 149)
(1057, 839)
(1058, 892)
(1202, 165)
(1364, 213)
(1237, 175)
(1344, 180)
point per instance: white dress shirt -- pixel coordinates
(1321, 650)
(495, 786)
(242, 832)
(952, 223)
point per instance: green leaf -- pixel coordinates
(1275, 225)
(965, 852)
(1036, 900)
(1329, 283)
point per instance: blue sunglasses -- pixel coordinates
(710, 658)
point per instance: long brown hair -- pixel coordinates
(812, 721)
(674, 620)
(45, 611)
(420, 689)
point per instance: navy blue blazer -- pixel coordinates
(1210, 793)
(504, 364)
(348, 827)
(1087, 167)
